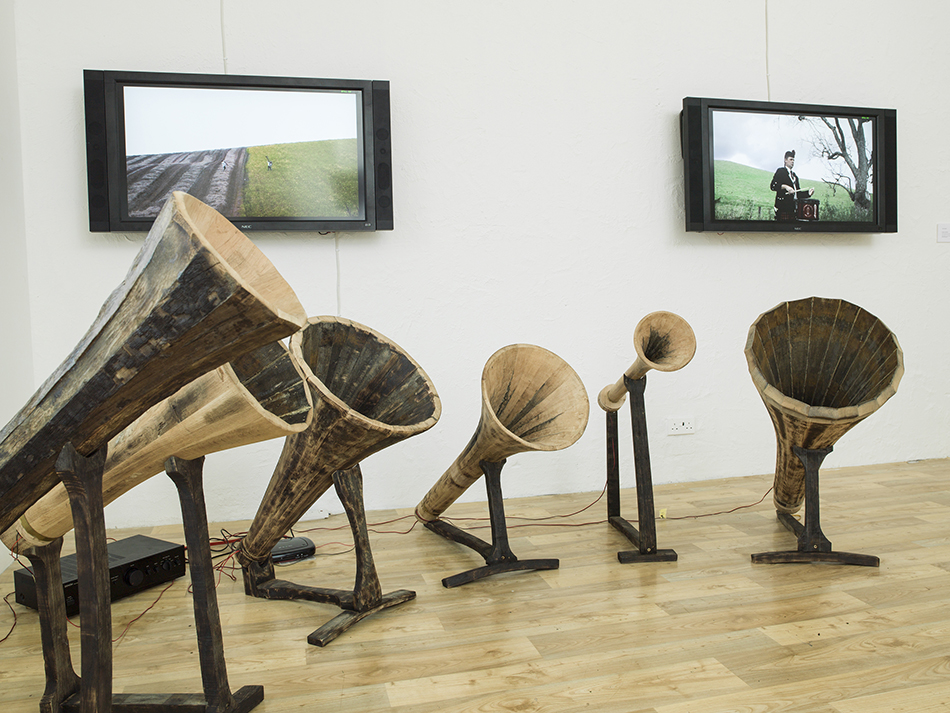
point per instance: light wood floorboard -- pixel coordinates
(709, 633)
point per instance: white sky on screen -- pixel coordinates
(761, 140)
(173, 119)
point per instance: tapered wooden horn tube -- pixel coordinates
(821, 367)
(664, 341)
(198, 295)
(368, 393)
(258, 396)
(532, 400)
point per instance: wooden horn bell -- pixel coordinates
(198, 295)
(368, 393)
(256, 397)
(664, 341)
(821, 366)
(532, 400)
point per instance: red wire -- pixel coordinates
(129, 625)
(230, 539)
(9, 633)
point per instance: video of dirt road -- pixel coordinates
(215, 177)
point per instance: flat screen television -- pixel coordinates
(779, 167)
(269, 153)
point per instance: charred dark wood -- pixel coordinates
(644, 536)
(813, 546)
(187, 476)
(245, 699)
(197, 295)
(367, 394)
(61, 678)
(255, 397)
(365, 599)
(82, 477)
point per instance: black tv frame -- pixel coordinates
(696, 130)
(106, 157)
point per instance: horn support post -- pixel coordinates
(813, 546)
(497, 554)
(365, 599)
(367, 394)
(92, 692)
(664, 341)
(643, 537)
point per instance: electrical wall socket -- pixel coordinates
(681, 427)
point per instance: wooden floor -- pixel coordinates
(710, 632)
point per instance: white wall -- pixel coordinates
(16, 362)
(538, 192)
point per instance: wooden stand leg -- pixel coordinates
(187, 476)
(61, 678)
(364, 600)
(613, 468)
(813, 546)
(644, 537)
(83, 480)
(497, 554)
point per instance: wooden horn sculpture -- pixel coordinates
(665, 342)
(821, 366)
(367, 394)
(256, 397)
(198, 295)
(532, 400)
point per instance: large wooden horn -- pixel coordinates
(198, 295)
(821, 366)
(368, 393)
(664, 341)
(256, 397)
(532, 400)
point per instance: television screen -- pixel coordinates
(268, 153)
(783, 167)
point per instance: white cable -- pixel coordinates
(768, 77)
(339, 308)
(224, 48)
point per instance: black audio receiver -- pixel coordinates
(135, 563)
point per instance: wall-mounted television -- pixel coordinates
(269, 153)
(780, 167)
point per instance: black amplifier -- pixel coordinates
(135, 563)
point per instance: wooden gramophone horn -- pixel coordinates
(199, 294)
(664, 341)
(256, 397)
(367, 394)
(532, 400)
(821, 366)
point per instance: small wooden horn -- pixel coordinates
(368, 393)
(258, 396)
(664, 341)
(532, 400)
(198, 295)
(821, 366)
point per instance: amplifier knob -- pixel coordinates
(134, 576)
